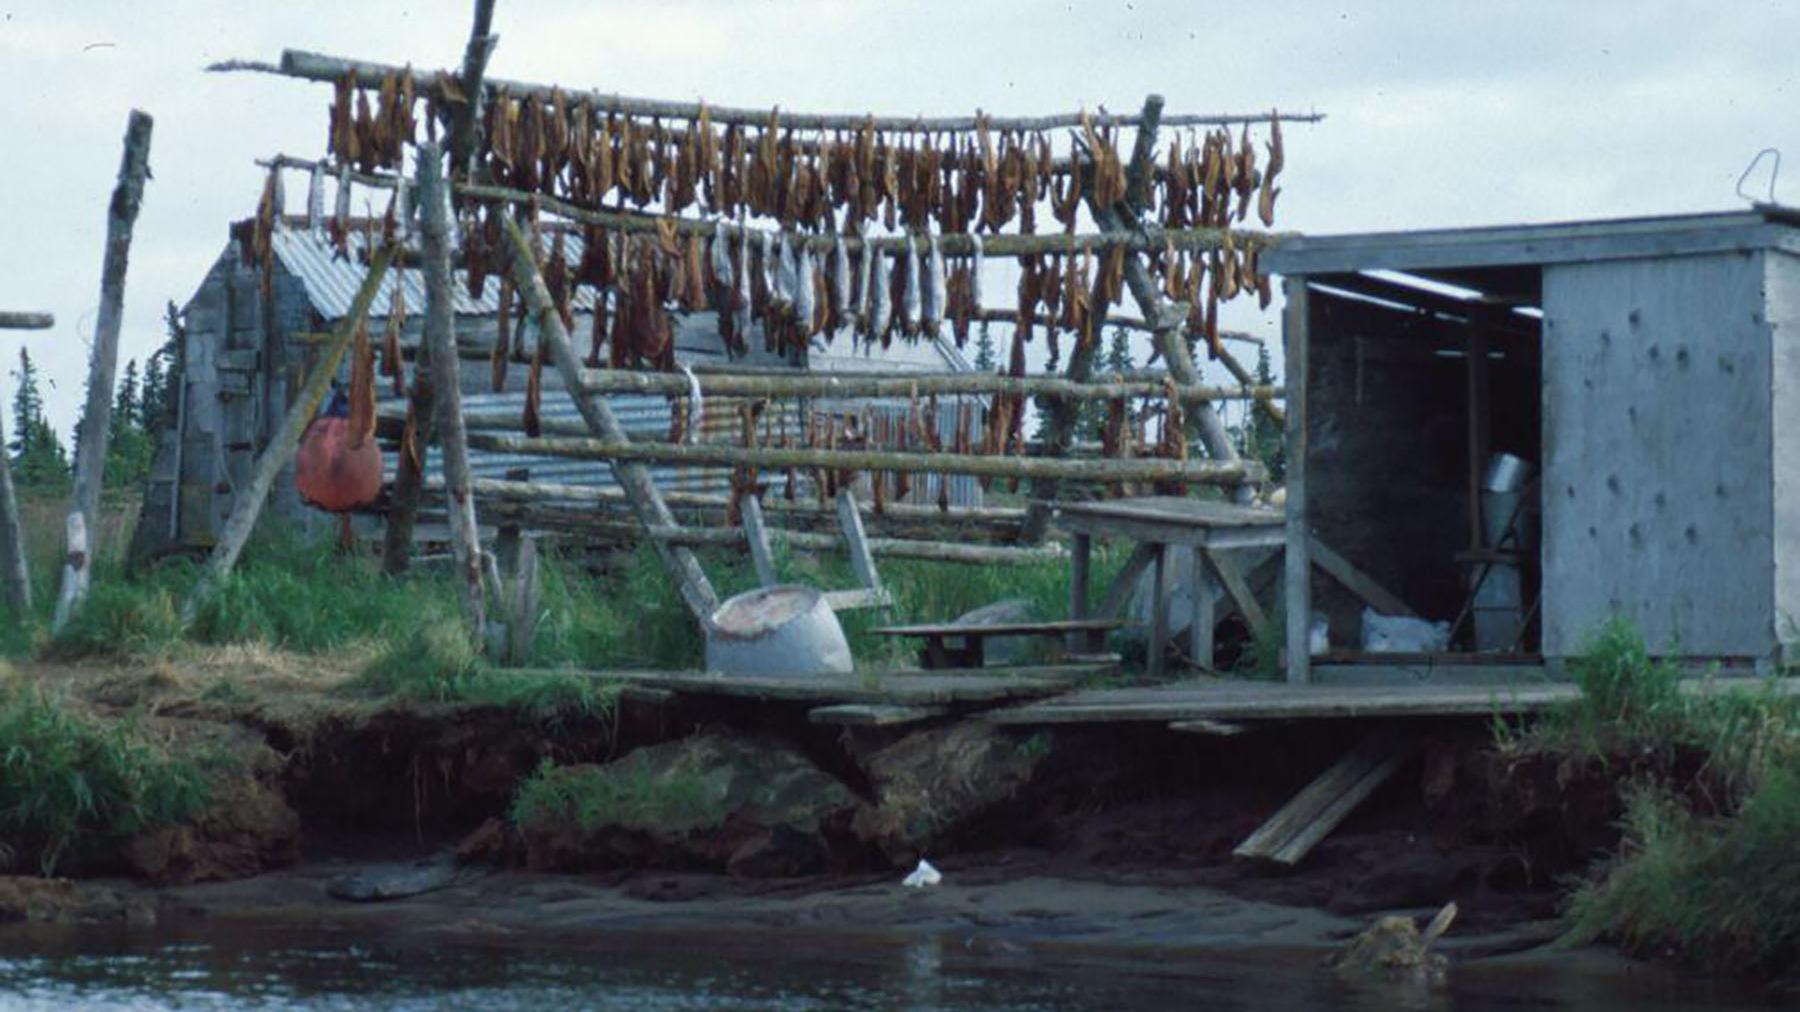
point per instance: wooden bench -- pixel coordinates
(938, 653)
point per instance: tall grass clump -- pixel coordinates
(72, 785)
(437, 663)
(627, 792)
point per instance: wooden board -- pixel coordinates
(1211, 728)
(873, 714)
(1176, 510)
(1056, 628)
(904, 687)
(1221, 699)
(1298, 826)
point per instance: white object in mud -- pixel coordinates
(1397, 634)
(922, 876)
(778, 631)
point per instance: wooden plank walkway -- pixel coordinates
(1227, 700)
(905, 687)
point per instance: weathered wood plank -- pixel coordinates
(1211, 728)
(1052, 628)
(1298, 588)
(860, 597)
(1298, 826)
(828, 385)
(856, 543)
(979, 685)
(1355, 580)
(1238, 589)
(757, 535)
(873, 714)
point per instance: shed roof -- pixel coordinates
(1443, 254)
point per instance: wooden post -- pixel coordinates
(286, 440)
(757, 534)
(1159, 610)
(646, 500)
(1480, 420)
(521, 622)
(409, 477)
(96, 417)
(440, 335)
(75, 569)
(1299, 544)
(1080, 568)
(464, 122)
(1062, 415)
(15, 572)
(861, 561)
(1200, 628)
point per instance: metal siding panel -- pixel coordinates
(1657, 485)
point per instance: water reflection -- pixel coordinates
(303, 972)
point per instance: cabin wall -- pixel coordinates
(1658, 498)
(1781, 279)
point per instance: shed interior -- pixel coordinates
(1414, 383)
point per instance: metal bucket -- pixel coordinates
(786, 631)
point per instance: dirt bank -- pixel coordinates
(1114, 834)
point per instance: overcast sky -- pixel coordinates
(1438, 114)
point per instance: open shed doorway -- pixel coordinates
(1424, 422)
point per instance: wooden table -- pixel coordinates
(1089, 633)
(1156, 522)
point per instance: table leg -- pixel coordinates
(1159, 611)
(975, 651)
(1080, 556)
(936, 656)
(1200, 632)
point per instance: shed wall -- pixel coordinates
(1782, 283)
(1657, 439)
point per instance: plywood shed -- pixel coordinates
(242, 352)
(1641, 371)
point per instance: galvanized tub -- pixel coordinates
(784, 631)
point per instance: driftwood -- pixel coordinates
(646, 499)
(311, 66)
(286, 440)
(26, 321)
(813, 384)
(465, 123)
(103, 362)
(440, 337)
(1146, 469)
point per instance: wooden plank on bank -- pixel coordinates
(873, 714)
(1234, 701)
(1298, 826)
(907, 687)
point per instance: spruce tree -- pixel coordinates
(127, 444)
(984, 350)
(38, 455)
(1261, 438)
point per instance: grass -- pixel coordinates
(626, 792)
(69, 783)
(437, 664)
(1704, 870)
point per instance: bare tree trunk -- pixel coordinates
(409, 476)
(96, 417)
(440, 337)
(286, 440)
(15, 575)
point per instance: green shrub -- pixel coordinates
(121, 619)
(67, 782)
(437, 663)
(626, 792)
(1620, 682)
(1720, 892)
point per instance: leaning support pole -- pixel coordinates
(440, 337)
(1062, 416)
(632, 476)
(15, 575)
(1169, 324)
(96, 417)
(409, 476)
(281, 447)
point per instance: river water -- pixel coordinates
(288, 969)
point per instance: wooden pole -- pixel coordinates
(311, 66)
(1298, 574)
(1060, 427)
(15, 573)
(440, 336)
(409, 476)
(26, 321)
(646, 499)
(887, 385)
(96, 416)
(1146, 469)
(282, 445)
(465, 123)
